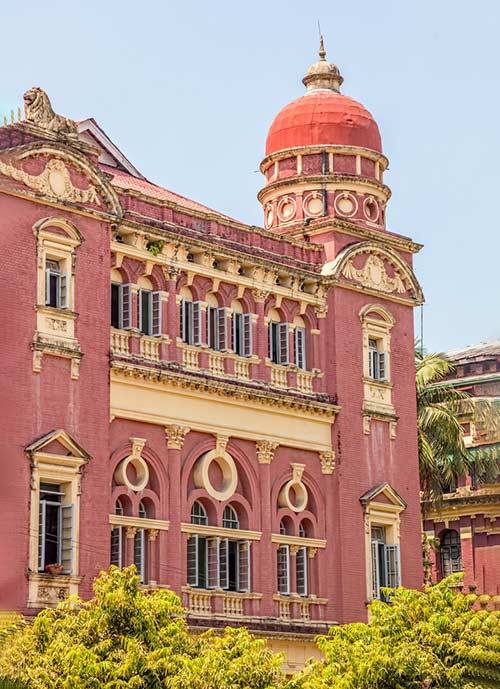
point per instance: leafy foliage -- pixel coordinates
(126, 639)
(431, 640)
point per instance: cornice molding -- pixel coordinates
(335, 149)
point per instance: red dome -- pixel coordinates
(323, 117)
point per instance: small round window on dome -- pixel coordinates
(371, 209)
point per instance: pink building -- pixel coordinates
(243, 429)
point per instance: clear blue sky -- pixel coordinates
(189, 89)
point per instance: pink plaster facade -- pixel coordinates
(362, 459)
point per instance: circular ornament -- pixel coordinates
(287, 208)
(227, 468)
(313, 204)
(294, 496)
(346, 204)
(141, 473)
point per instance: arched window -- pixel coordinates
(148, 308)
(301, 570)
(217, 330)
(116, 555)
(190, 318)
(199, 514)
(300, 342)
(451, 553)
(140, 546)
(230, 518)
(302, 530)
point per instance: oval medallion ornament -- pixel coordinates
(287, 208)
(346, 204)
(313, 204)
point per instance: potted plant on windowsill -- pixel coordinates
(54, 569)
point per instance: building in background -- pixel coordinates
(467, 523)
(230, 408)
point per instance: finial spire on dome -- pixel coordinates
(323, 75)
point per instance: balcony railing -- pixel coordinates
(190, 358)
(216, 363)
(298, 608)
(204, 603)
(305, 381)
(279, 376)
(242, 369)
(150, 348)
(119, 342)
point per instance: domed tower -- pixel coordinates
(323, 160)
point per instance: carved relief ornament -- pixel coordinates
(265, 451)
(175, 436)
(54, 181)
(374, 276)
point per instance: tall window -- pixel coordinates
(300, 347)
(451, 553)
(376, 361)
(149, 312)
(284, 569)
(242, 334)
(278, 342)
(190, 325)
(217, 328)
(140, 546)
(117, 539)
(55, 529)
(56, 285)
(121, 306)
(217, 562)
(385, 562)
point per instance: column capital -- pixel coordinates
(327, 460)
(175, 436)
(294, 549)
(260, 295)
(131, 531)
(152, 534)
(265, 451)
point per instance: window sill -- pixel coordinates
(48, 590)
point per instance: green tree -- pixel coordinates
(127, 639)
(437, 639)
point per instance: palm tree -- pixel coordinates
(440, 406)
(441, 410)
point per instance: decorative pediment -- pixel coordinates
(372, 267)
(57, 172)
(383, 493)
(58, 443)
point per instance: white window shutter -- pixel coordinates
(66, 538)
(221, 334)
(196, 323)
(224, 563)
(213, 562)
(63, 290)
(47, 287)
(300, 348)
(126, 307)
(246, 330)
(156, 309)
(375, 571)
(243, 568)
(284, 569)
(193, 560)
(382, 372)
(270, 349)
(392, 566)
(116, 546)
(183, 321)
(41, 535)
(139, 309)
(283, 357)
(234, 331)
(301, 571)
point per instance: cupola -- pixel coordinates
(323, 157)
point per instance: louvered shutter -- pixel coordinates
(126, 307)
(193, 560)
(300, 347)
(382, 373)
(156, 313)
(243, 570)
(183, 320)
(66, 538)
(224, 563)
(139, 309)
(392, 566)
(301, 571)
(283, 357)
(375, 571)
(196, 323)
(47, 287)
(246, 334)
(41, 535)
(235, 345)
(270, 348)
(116, 546)
(221, 332)
(284, 569)
(213, 562)
(63, 290)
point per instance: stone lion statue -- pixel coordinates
(39, 111)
